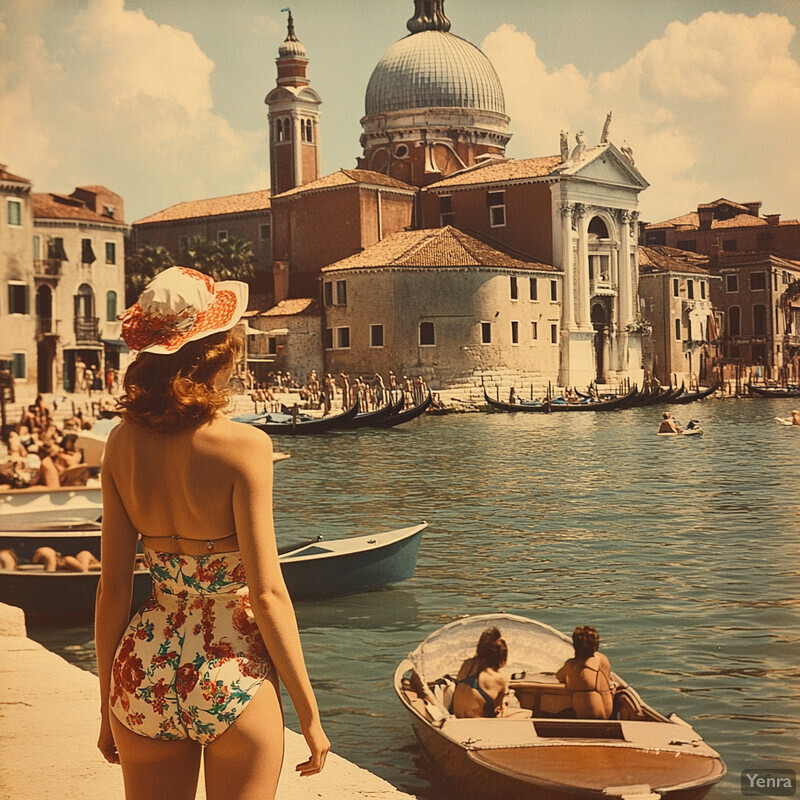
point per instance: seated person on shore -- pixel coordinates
(480, 688)
(49, 475)
(52, 560)
(668, 425)
(588, 676)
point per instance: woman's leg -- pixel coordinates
(244, 763)
(152, 768)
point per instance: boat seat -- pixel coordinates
(627, 705)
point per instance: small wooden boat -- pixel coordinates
(370, 419)
(289, 425)
(639, 754)
(37, 506)
(401, 417)
(60, 596)
(321, 568)
(69, 539)
(786, 421)
(775, 391)
(551, 406)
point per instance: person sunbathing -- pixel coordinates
(588, 676)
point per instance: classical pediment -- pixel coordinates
(603, 164)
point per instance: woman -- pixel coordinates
(588, 676)
(197, 668)
(480, 688)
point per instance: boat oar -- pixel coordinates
(297, 545)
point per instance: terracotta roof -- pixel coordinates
(59, 206)
(670, 259)
(436, 247)
(302, 305)
(493, 172)
(212, 207)
(729, 259)
(5, 175)
(348, 177)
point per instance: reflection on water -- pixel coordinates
(683, 552)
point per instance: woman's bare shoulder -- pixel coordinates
(237, 434)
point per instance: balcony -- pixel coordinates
(87, 330)
(602, 286)
(47, 268)
(46, 326)
(792, 339)
(688, 306)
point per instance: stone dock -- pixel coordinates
(49, 719)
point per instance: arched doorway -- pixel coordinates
(600, 325)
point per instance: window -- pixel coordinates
(690, 289)
(677, 330)
(183, 243)
(287, 130)
(18, 298)
(656, 237)
(19, 367)
(446, 214)
(731, 283)
(497, 209)
(514, 288)
(598, 268)
(37, 249)
(327, 339)
(730, 245)
(427, 333)
(534, 331)
(486, 332)
(327, 293)
(553, 334)
(534, 289)
(676, 287)
(14, 208)
(87, 253)
(758, 281)
(554, 291)
(272, 343)
(341, 293)
(734, 321)
(703, 290)
(111, 253)
(265, 232)
(55, 249)
(687, 244)
(689, 329)
(759, 320)
(306, 134)
(222, 236)
(111, 306)
(343, 338)
(376, 335)
(514, 332)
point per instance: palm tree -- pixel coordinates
(142, 266)
(235, 260)
(202, 255)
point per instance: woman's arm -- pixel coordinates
(114, 592)
(269, 598)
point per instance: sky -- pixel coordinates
(162, 101)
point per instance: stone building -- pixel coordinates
(17, 308)
(443, 305)
(78, 260)
(676, 289)
(728, 227)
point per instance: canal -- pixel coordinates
(684, 552)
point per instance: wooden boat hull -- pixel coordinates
(61, 596)
(774, 391)
(550, 407)
(355, 564)
(299, 427)
(690, 397)
(38, 506)
(402, 417)
(371, 419)
(642, 754)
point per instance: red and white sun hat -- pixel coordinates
(181, 305)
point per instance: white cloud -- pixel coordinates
(120, 100)
(708, 109)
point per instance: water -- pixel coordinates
(683, 552)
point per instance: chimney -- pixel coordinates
(754, 209)
(773, 219)
(706, 215)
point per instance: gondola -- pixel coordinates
(369, 419)
(690, 397)
(651, 397)
(405, 416)
(549, 406)
(288, 425)
(775, 391)
(537, 751)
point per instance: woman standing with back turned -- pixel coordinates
(196, 670)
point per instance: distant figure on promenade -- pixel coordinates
(588, 676)
(795, 417)
(379, 388)
(480, 688)
(88, 380)
(80, 372)
(111, 377)
(220, 631)
(668, 425)
(512, 395)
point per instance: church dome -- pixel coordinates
(433, 69)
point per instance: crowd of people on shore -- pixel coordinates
(42, 452)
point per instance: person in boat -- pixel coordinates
(8, 559)
(668, 425)
(480, 688)
(795, 417)
(52, 560)
(195, 672)
(588, 676)
(512, 395)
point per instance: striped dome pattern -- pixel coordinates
(433, 69)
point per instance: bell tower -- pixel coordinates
(294, 152)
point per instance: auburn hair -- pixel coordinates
(167, 393)
(492, 649)
(586, 641)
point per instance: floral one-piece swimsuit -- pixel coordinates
(192, 656)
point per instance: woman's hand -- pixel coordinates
(105, 743)
(319, 745)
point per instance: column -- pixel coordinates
(583, 315)
(625, 273)
(568, 286)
